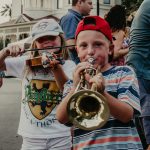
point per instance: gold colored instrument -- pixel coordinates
(87, 109)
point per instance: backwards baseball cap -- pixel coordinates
(94, 23)
(45, 27)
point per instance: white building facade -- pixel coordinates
(27, 12)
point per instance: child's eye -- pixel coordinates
(98, 44)
(83, 45)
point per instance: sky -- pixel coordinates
(2, 3)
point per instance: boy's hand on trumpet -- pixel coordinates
(99, 82)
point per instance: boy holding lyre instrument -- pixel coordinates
(43, 76)
(118, 84)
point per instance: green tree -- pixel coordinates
(6, 10)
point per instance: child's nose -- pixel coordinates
(90, 50)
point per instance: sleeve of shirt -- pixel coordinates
(128, 90)
(69, 26)
(15, 66)
(67, 87)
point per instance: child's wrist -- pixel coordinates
(5, 52)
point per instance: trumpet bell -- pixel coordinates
(88, 110)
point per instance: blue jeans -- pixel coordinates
(144, 86)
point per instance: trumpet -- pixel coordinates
(88, 109)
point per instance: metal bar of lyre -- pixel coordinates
(47, 48)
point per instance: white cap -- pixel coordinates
(45, 27)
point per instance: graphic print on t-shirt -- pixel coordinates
(42, 97)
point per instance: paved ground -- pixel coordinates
(10, 96)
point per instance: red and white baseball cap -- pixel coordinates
(94, 23)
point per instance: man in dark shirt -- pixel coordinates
(139, 58)
(69, 22)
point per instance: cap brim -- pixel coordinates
(51, 33)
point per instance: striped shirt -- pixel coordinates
(121, 83)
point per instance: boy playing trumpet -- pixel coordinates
(118, 84)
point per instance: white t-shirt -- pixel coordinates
(40, 97)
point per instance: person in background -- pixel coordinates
(69, 22)
(138, 58)
(118, 84)
(42, 86)
(2, 75)
(116, 17)
(1, 82)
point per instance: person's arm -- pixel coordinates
(12, 51)
(122, 52)
(3, 54)
(61, 112)
(60, 76)
(118, 109)
(50, 60)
